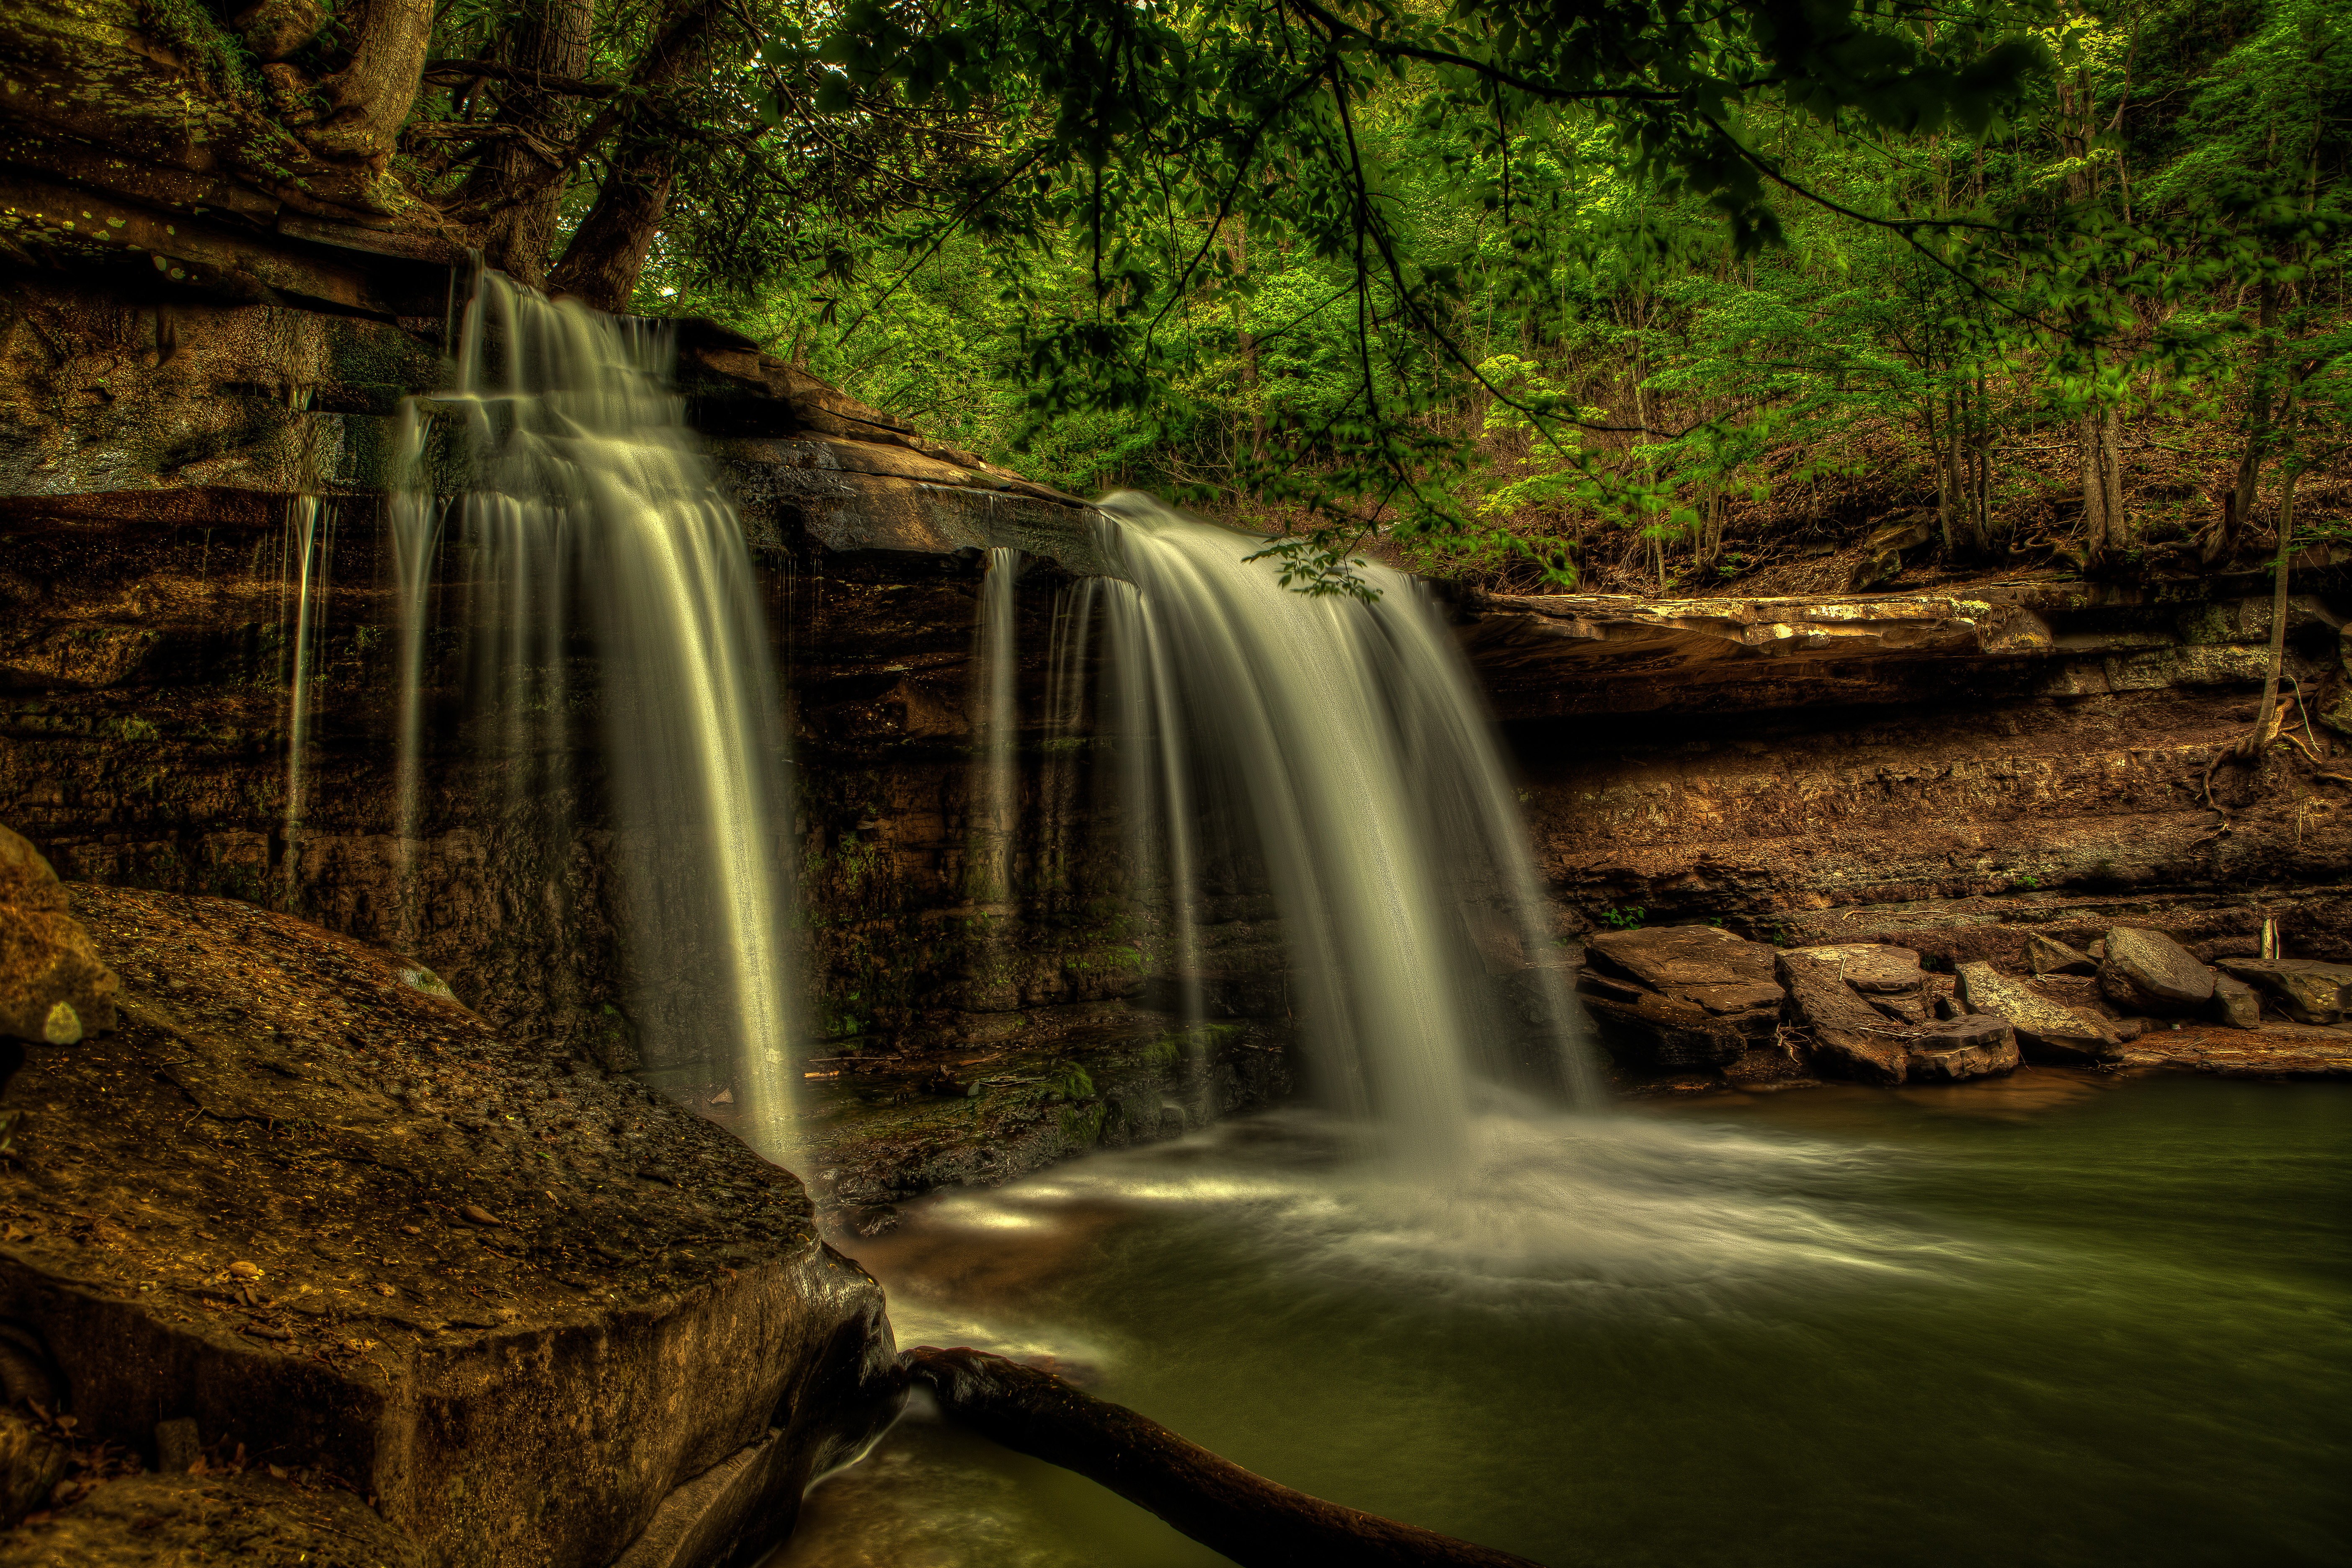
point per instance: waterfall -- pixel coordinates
(586, 516)
(1342, 743)
(305, 562)
(998, 808)
(1158, 796)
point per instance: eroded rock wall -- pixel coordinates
(1758, 760)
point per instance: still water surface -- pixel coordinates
(2047, 1320)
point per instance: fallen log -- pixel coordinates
(1256, 1522)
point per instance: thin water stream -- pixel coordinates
(2047, 1320)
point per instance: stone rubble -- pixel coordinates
(1678, 999)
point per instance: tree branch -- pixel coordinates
(1256, 1522)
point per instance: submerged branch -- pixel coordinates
(1256, 1522)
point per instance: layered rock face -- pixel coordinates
(1756, 759)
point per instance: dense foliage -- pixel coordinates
(1625, 288)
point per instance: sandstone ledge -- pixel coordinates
(1548, 656)
(517, 1306)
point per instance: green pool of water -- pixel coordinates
(2051, 1320)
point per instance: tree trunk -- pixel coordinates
(609, 248)
(550, 36)
(2098, 431)
(369, 100)
(1246, 342)
(2238, 503)
(600, 267)
(1256, 1522)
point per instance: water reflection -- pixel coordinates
(2057, 1321)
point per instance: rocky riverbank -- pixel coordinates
(305, 1225)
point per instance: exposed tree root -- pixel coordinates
(2272, 728)
(1256, 1522)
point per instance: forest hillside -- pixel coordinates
(1798, 296)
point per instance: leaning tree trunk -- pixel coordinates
(550, 38)
(600, 267)
(1253, 1521)
(369, 100)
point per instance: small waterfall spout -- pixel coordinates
(307, 558)
(589, 521)
(998, 808)
(1341, 745)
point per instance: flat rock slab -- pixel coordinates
(2148, 971)
(1668, 958)
(325, 1212)
(2274, 1050)
(1873, 968)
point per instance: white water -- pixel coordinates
(1343, 744)
(588, 515)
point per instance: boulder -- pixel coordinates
(2046, 956)
(53, 989)
(2306, 990)
(2235, 1003)
(2148, 971)
(2046, 1030)
(318, 1210)
(1970, 1047)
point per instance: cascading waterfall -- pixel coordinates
(587, 515)
(1067, 718)
(1344, 739)
(1149, 731)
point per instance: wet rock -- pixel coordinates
(2306, 990)
(2148, 971)
(1888, 978)
(1852, 1034)
(2046, 1030)
(2045, 955)
(53, 988)
(1970, 1047)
